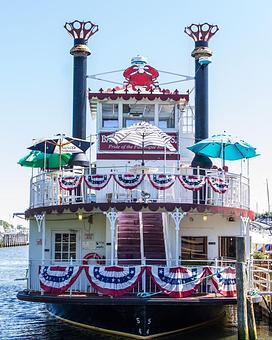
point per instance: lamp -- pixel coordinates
(205, 218)
(80, 216)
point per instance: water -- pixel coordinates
(26, 320)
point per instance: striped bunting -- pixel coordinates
(57, 279)
(142, 134)
(224, 280)
(177, 282)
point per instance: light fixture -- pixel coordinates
(205, 218)
(80, 216)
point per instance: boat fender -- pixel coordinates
(90, 256)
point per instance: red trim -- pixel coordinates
(130, 156)
(139, 96)
(137, 206)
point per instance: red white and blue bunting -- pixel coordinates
(218, 184)
(162, 181)
(57, 279)
(114, 280)
(129, 180)
(224, 280)
(177, 282)
(97, 182)
(70, 182)
(192, 182)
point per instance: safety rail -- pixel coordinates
(260, 278)
(46, 190)
(145, 285)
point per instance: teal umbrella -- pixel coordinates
(38, 159)
(225, 147)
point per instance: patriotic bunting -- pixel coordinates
(56, 279)
(192, 182)
(218, 184)
(177, 282)
(224, 280)
(128, 180)
(131, 181)
(161, 181)
(70, 182)
(97, 182)
(114, 280)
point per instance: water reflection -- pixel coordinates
(24, 320)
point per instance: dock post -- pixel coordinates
(241, 289)
(251, 321)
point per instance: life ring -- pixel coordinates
(90, 256)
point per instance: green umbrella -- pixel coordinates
(37, 159)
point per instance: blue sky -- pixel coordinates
(36, 71)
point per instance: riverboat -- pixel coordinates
(139, 242)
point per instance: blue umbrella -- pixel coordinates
(225, 147)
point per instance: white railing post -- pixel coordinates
(177, 217)
(112, 217)
(141, 238)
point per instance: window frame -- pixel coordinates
(205, 248)
(77, 242)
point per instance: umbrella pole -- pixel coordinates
(164, 159)
(143, 162)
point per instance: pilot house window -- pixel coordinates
(136, 113)
(110, 116)
(166, 116)
(65, 246)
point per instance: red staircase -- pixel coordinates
(154, 247)
(129, 241)
(128, 227)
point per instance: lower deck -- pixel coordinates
(94, 299)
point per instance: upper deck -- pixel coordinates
(140, 185)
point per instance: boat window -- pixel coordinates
(228, 247)
(186, 120)
(110, 116)
(136, 113)
(65, 246)
(166, 116)
(194, 248)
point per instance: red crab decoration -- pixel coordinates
(139, 75)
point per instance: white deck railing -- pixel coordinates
(145, 285)
(45, 190)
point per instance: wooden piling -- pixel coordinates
(251, 321)
(241, 286)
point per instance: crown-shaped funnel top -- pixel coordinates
(201, 32)
(81, 29)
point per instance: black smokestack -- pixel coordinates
(201, 34)
(81, 31)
